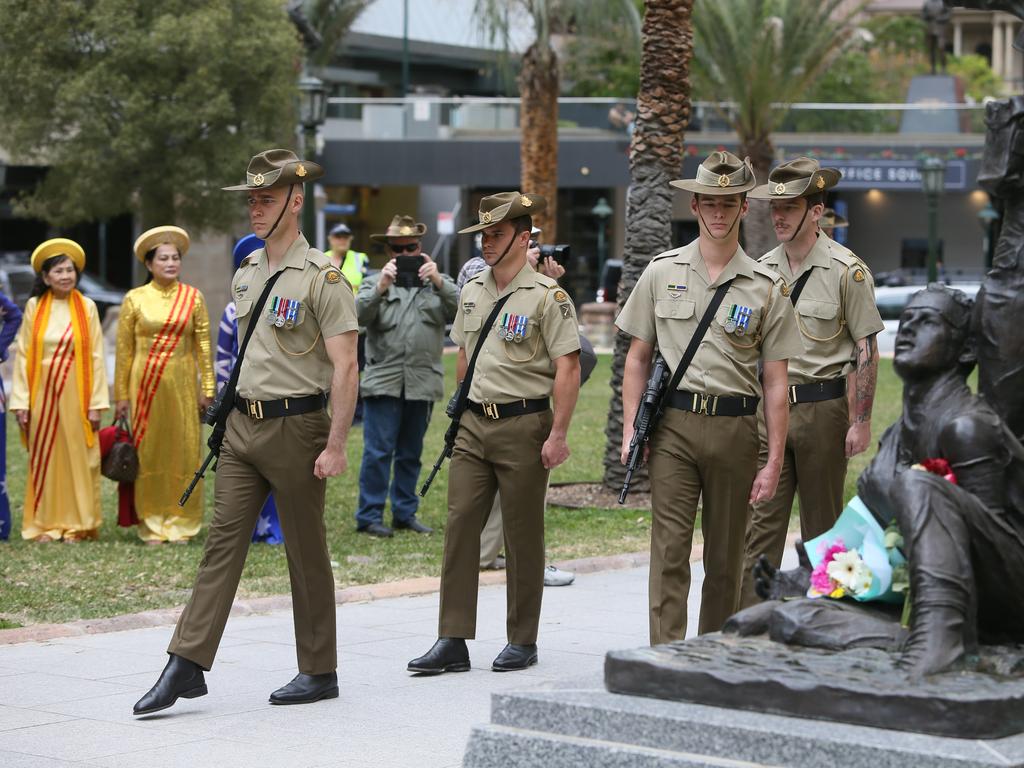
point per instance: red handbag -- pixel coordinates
(121, 463)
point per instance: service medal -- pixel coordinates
(279, 321)
(730, 325)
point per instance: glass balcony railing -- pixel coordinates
(447, 118)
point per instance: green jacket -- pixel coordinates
(405, 331)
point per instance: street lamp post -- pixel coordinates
(602, 211)
(933, 180)
(988, 216)
(312, 112)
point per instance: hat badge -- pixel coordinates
(405, 230)
(258, 180)
(780, 188)
(300, 171)
(723, 180)
(525, 201)
(821, 181)
(485, 217)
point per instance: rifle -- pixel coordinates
(219, 422)
(454, 410)
(646, 420)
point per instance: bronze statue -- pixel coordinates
(964, 541)
(936, 15)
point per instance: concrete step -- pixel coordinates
(496, 745)
(577, 723)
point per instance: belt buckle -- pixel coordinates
(256, 410)
(792, 394)
(701, 401)
(491, 411)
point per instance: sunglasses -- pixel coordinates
(407, 248)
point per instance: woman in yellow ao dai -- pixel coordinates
(58, 393)
(163, 382)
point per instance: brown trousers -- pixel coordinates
(694, 456)
(492, 456)
(258, 457)
(813, 467)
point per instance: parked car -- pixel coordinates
(608, 284)
(17, 278)
(891, 300)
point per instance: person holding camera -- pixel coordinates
(404, 309)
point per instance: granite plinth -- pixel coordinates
(579, 724)
(862, 686)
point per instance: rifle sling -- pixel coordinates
(696, 339)
(798, 286)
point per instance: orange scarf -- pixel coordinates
(83, 353)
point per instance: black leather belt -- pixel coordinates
(817, 391)
(713, 405)
(258, 410)
(504, 410)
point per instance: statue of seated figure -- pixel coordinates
(963, 540)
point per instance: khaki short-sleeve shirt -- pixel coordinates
(835, 309)
(310, 301)
(672, 295)
(541, 321)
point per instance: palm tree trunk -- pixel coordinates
(758, 233)
(538, 116)
(656, 153)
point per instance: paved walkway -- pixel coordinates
(68, 700)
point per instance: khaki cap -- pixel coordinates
(506, 205)
(58, 246)
(831, 219)
(402, 226)
(721, 173)
(151, 238)
(797, 178)
(274, 168)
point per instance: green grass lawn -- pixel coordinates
(59, 582)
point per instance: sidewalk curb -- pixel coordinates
(423, 585)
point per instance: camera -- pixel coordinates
(559, 253)
(408, 271)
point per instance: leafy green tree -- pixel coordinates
(144, 107)
(539, 78)
(760, 53)
(595, 63)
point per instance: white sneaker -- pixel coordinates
(553, 577)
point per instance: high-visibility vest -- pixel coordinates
(353, 267)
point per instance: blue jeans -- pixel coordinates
(393, 430)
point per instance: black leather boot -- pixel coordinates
(514, 657)
(305, 689)
(448, 654)
(181, 678)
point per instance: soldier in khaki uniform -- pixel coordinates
(706, 444)
(508, 438)
(838, 319)
(280, 438)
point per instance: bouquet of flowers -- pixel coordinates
(840, 572)
(855, 559)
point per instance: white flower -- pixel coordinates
(847, 569)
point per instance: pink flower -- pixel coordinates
(829, 551)
(820, 580)
(960, 152)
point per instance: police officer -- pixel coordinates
(280, 437)
(706, 443)
(838, 319)
(509, 438)
(353, 264)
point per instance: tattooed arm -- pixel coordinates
(863, 379)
